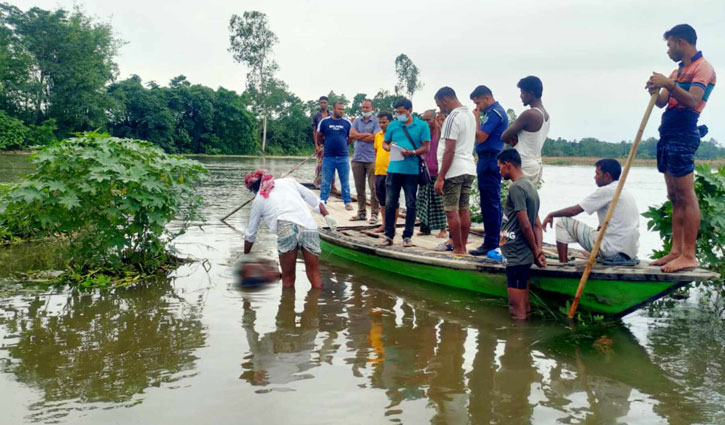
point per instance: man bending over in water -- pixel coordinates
(283, 205)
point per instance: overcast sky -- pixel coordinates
(592, 56)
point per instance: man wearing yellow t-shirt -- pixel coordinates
(382, 158)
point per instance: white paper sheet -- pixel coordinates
(396, 153)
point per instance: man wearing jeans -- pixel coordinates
(456, 170)
(403, 173)
(363, 161)
(334, 133)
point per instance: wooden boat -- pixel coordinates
(612, 291)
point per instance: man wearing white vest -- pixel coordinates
(528, 133)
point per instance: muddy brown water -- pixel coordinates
(369, 348)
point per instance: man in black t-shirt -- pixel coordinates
(521, 233)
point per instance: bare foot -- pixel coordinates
(422, 233)
(678, 264)
(380, 229)
(442, 234)
(666, 259)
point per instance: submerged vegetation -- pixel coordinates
(109, 200)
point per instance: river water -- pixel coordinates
(369, 348)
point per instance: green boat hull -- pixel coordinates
(609, 297)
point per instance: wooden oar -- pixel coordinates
(612, 205)
(287, 174)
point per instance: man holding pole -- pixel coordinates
(684, 94)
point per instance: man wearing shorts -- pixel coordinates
(685, 94)
(283, 205)
(521, 234)
(457, 170)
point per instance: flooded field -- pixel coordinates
(369, 348)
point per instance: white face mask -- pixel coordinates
(367, 114)
(402, 118)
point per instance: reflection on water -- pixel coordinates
(370, 347)
(80, 347)
(460, 355)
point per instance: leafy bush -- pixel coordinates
(710, 191)
(111, 198)
(14, 134)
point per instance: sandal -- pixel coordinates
(386, 241)
(373, 219)
(444, 247)
(358, 217)
(407, 243)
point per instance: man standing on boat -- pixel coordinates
(520, 232)
(409, 136)
(621, 241)
(429, 205)
(334, 133)
(489, 129)
(456, 168)
(685, 94)
(363, 161)
(528, 133)
(324, 112)
(382, 160)
(283, 205)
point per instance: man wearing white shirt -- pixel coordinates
(457, 169)
(283, 205)
(621, 241)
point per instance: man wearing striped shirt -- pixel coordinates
(684, 94)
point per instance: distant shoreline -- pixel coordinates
(549, 160)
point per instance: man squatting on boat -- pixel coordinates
(487, 128)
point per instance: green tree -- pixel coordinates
(141, 113)
(251, 43)
(384, 100)
(408, 76)
(71, 62)
(15, 63)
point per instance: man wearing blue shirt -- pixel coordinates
(490, 126)
(334, 133)
(403, 173)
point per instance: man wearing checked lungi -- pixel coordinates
(283, 205)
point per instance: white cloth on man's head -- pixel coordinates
(288, 201)
(622, 234)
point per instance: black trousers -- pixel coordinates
(393, 183)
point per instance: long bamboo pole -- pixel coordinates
(287, 174)
(612, 205)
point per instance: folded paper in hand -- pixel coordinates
(396, 153)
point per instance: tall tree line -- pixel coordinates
(58, 76)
